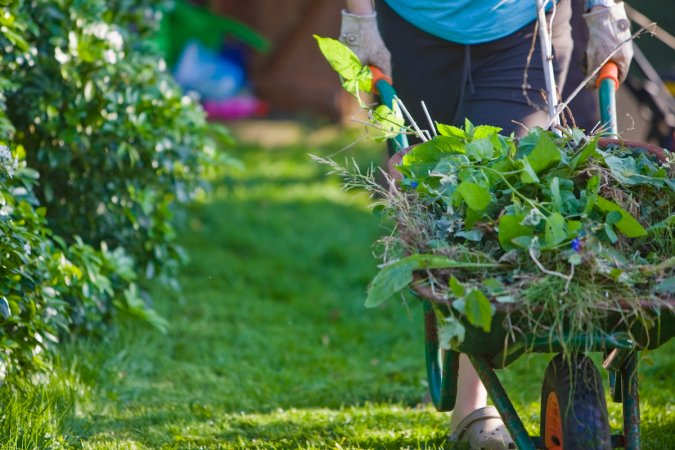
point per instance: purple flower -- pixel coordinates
(576, 244)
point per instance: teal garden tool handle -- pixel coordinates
(607, 84)
(382, 86)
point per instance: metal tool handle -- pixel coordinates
(607, 84)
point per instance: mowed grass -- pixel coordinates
(270, 345)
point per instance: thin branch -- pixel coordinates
(581, 85)
(525, 85)
(567, 278)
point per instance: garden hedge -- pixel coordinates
(98, 144)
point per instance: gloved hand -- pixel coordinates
(361, 35)
(607, 28)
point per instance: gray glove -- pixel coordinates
(361, 35)
(607, 28)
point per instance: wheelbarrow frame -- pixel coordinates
(497, 349)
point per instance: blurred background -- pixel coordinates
(257, 59)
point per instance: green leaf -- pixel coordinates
(485, 131)
(390, 122)
(592, 188)
(468, 128)
(509, 228)
(390, 280)
(528, 175)
(451, 333)
(480, 149)
(475, 196)
(424, 157)
(494, 286)
(666, 285)
(456, 287)
(345, 63)
(556, 198)
(631, 172)
(611, 235)
(613, 217)
(472, 235)
(396, 276)
(574, 259)
(555, 229)
(450, 131)
(628, 225)
(573, 226)
(544, 155)
(4, 307)
(588, 150)
(478, 310)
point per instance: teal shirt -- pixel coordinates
(467, 21)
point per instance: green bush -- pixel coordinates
(93, 115)
(111, 134)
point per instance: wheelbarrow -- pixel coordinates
(573, 408)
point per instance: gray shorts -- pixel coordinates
(481, 82)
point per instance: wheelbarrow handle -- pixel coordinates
(382, 86)
(607, 84)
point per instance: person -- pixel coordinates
(473, 59)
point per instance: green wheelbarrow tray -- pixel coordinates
(618, 338)
(618, 332)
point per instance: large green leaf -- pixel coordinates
(478, 310)
(396, 276)
(544, 155)
(509, 228)
(475, 196)
(390, 280)
(346, 64)
(632, 172)
(555, 231)
(480, 149)
(450, 131)
(424, 157)
(628, 225)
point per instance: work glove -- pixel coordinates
(608, 27)
(361, 35)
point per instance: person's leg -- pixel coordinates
(428, 68)
(471, 394)
(496, 95)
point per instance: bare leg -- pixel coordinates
(471, 393)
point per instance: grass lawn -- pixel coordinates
(270, 345)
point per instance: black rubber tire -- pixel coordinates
(575, 384)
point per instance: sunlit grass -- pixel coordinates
(270, 345)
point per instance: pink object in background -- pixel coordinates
(233, 108)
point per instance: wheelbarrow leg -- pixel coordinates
(502, 403)
(441, 372)
(631, 403)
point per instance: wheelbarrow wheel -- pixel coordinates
(573, 407)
